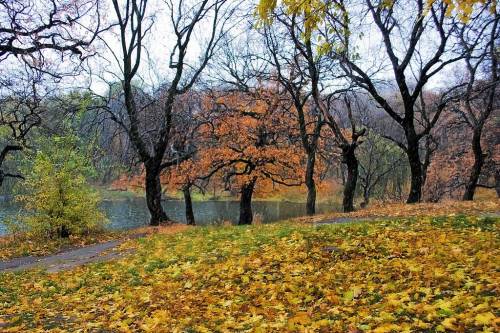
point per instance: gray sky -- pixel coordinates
(159, 43)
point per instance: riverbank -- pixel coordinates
(108, 193)
(133, 212)
(405, 274)
(12, 246)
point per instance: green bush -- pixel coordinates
(58, 199)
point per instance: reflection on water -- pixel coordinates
(132, 213)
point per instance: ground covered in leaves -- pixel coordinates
(21, 245)
(421, 275)
(490, 206)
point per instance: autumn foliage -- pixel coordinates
(432, 274)
(254, 139)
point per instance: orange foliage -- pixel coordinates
(452, 163)
(245, 136)
(252, 139)
(128, 182)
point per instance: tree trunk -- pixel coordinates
(189, 205)
(497, 182)
(471, 185)
(427, 159)
(3, 155)
(415, 169)
(2, 177)
(246, 215)
(153, 195)
(366, 197)
(351, 162)
(311, 186)
(63, 232)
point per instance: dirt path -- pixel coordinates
(68, 259)
(89, 254)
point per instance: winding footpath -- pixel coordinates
(101, 252)
(69, 259)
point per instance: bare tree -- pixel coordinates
(36, 39)
(377, 161)
(30, 30)
(152, 140)
(21, 110)
(290, 70)
(419, 42)
(480, 97)
(313, 76)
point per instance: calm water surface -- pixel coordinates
(133, 213)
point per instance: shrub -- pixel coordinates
(58, 200)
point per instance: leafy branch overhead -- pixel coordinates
(315, 11)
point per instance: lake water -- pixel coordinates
(133, 213)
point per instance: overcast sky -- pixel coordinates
(159, 43)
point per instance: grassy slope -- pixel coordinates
(24, 245)
(398, 210)
(426, 274)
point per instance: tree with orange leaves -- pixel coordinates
(252, 140)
